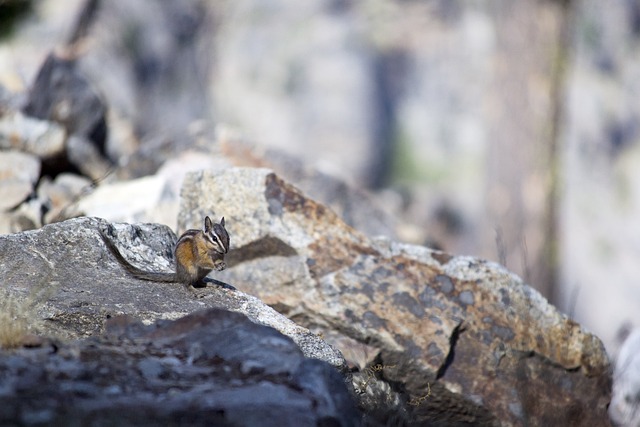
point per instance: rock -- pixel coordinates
(175, 169)
(156, 198)
(18, 174)
(133, 201)
(27, 216)
(355, 206)
(625, 400)
(152, 198)
(61, 195)
(5, 223)
(460, 340)
(85, 156)
(41, 138)
(62, 94)
(158, 79)
(10, 96)
(213, 367)
(87, 285)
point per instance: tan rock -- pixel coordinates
(18, 175)
(462, 335)
(39, 137)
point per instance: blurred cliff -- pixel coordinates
(506, 130)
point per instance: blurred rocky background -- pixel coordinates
(498, 129)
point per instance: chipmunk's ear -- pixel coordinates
(222, 222)
(207, 224)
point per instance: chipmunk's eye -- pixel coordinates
(215, 239)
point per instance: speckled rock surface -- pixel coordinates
(469, 343)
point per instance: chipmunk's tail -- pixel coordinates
(134, 271)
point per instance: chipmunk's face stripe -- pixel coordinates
(217, 235)
(220, 238)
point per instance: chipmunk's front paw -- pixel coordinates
(220, 265)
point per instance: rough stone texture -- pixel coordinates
(41, 138)
(212, 367)
(87, 285)
(18, 174)
(468, 341)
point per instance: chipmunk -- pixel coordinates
(197, 252)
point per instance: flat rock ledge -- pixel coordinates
(85, 285)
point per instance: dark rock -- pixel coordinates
(461, 341)
(158, 78)
(63, 95)
(213, 367)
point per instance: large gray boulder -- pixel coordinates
(85, 284)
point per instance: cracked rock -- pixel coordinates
(468, 341)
